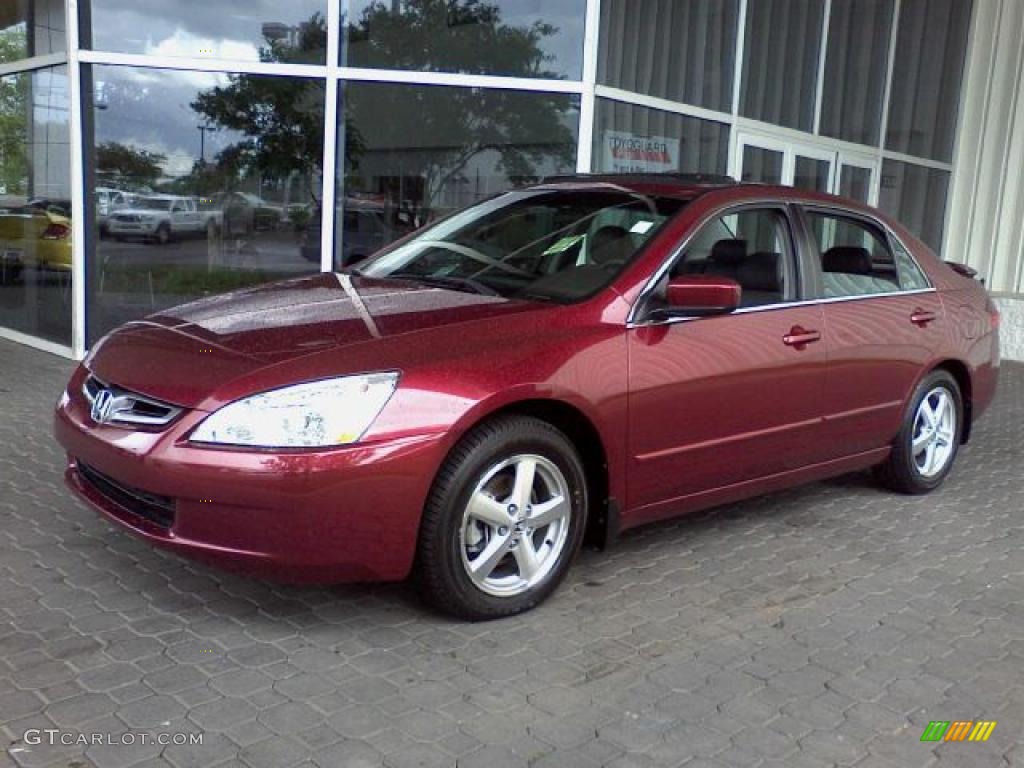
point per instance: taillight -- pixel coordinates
(56, 232)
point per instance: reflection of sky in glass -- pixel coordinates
(149, 109)
(236, 30)
(565, 46)
(219, 29)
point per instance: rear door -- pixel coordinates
(718, 401)
(883, 323)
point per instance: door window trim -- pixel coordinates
(882, 230)
(806, 251)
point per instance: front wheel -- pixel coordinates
(503, 521)
(927, 444)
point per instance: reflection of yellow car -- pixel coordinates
(33, 237)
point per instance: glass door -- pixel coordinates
(857, 177)
(813, 170)
(772, 160)
(762, 161)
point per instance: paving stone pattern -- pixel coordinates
(822, 626)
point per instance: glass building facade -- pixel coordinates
(155, 152)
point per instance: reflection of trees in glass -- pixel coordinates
(14, 43)
(280, 117)
(446, 36)
(14, 96)
(435, 132)
(126, 167)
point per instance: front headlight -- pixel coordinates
(314, 415)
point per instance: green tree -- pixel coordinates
(14, 115)
(280, 117)
(446, 36)
(435, 133)
(127, 167)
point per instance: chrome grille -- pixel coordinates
(128, 408)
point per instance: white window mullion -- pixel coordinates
(330, 152)
(588, 97)
(77, 181)
(819, 92)
(202, 64)
(876, 186)
(741, 42)
(35, 62)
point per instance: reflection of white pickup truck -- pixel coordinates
(163, 217)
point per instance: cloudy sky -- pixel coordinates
(233, 30)
(149, 109)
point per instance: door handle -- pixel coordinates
(798, 337)
(921, 317)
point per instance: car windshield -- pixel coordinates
(155, 203)
(547, 244)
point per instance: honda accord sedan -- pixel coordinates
(552, 365)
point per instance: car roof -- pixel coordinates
(685, 185)
(688, 186)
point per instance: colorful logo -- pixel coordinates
(958, 730)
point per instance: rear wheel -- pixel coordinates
(927, 444)
(504, 520)
(163, 234)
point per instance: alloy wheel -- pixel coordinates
(934, 433)
(515, 525)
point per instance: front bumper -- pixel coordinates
(346, 514)
(127, 229)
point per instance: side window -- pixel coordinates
(911, 276)
(752, 247)
(855, 257)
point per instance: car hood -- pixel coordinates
(182, 355)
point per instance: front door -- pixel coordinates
(718, 401)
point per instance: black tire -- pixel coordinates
(441, 573)
(901, 471)
(163, 234)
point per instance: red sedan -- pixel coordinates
(556, 363)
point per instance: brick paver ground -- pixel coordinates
(821, 626)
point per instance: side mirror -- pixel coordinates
(701, 295)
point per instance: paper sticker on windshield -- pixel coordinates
(642, 227)
(563, 245)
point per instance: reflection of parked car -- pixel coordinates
(35, 236)
(364, 232)
(109, 201)
(245, 213)
(161, 218)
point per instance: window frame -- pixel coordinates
(796, 289)
(882, 231)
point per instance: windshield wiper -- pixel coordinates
(447, 281)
